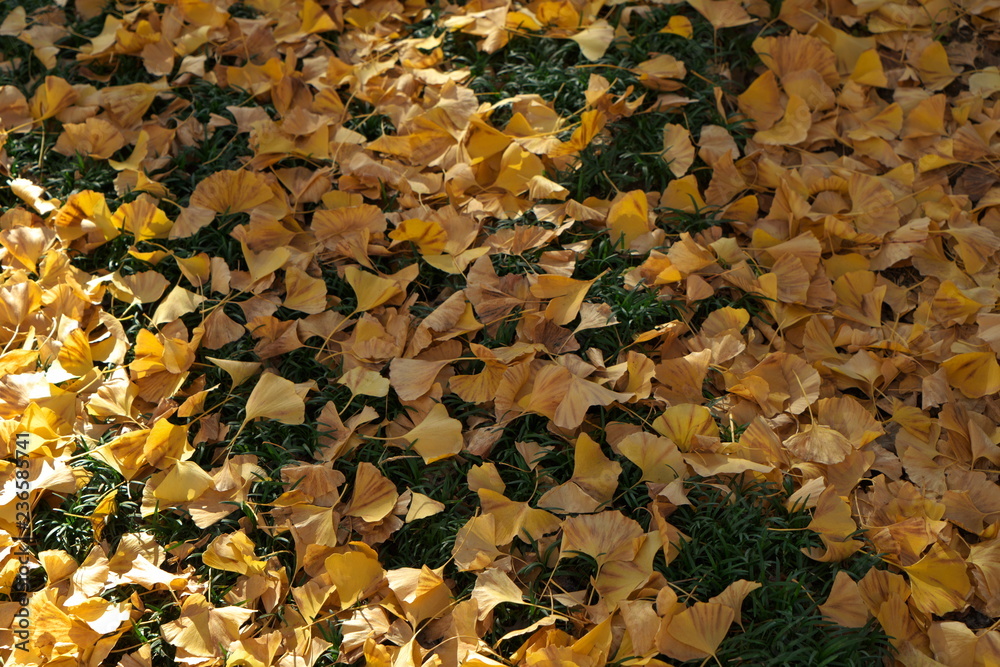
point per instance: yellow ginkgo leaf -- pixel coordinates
(177, 303)
(54, 95)
(355, 574)
(184, 482)
(678, 150)
(370, 289)
(845, 606)
(422, 506)
(975, 374)
(792, 129)
(686, 424)
(494, 587)
(595, 39)
(429, 236)
(734, 595)
(304, 292)
(142, 287)
(566, 296)
(265, 262)
(75, 355)
(106, 506)
(438, 436)
(374, 496)
(365, 382)
(833, 522)
(658, 457)
(819, 443)
(679, 25)
(605, 536)
(233, 552)
(939, 581)
(722, 13)
(276, 398)
(628, 218)
(232, 192)
(696, 632)
(412, 378)
(143, 218)
(239, 371)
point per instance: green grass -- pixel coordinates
(67, 525)
(748, 533)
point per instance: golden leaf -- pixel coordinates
(975, 374)
(274, 397)
(939, 581)
(437, 436)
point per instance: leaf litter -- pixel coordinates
(371, 226)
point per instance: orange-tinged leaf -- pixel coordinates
(845, 606)
(412, 378)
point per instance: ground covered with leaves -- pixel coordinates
(500, 333)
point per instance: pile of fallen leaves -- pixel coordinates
(861, 209)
